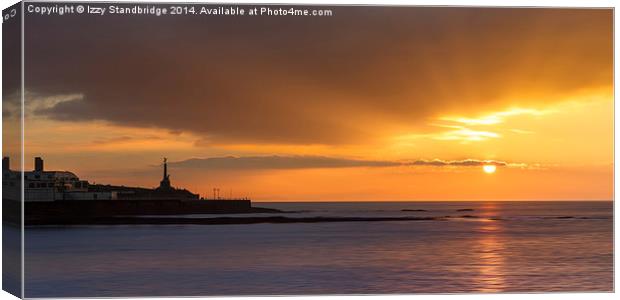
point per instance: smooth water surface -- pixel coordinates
(495, 247)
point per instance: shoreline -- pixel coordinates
(152, 220)
(129, 220)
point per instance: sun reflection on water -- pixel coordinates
(491, 256)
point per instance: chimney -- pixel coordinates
(6, 163)
(38, 164)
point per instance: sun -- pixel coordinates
(489, 169)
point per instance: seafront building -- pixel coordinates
(61, 197)
(45, 186)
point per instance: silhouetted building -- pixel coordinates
(11, 181)
(60, 197)
(164, 184)
(41, 185)
(38, 164)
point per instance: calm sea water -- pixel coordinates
(510, 247)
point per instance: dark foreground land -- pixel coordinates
(192, 212)
(165, 212)
(212, 220)
(119, 211)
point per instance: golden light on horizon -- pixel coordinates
(374, 127)
(489, 169)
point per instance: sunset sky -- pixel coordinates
(370, 104)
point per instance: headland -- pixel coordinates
(61, 197)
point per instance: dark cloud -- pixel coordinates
(312, 80)
(307, 162)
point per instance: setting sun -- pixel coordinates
(363, 129)
(489, 169)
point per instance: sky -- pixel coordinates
(371, 104)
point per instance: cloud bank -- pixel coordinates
(309, 162)
(324, 80)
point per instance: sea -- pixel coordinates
(463, 247)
